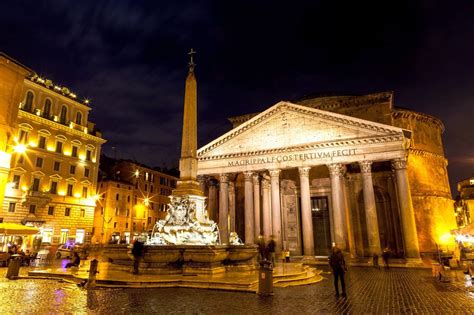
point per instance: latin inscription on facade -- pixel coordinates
(293, 157)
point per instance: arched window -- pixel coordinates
(62, 117)
(78, 118)
(29, 101)
(47, 108)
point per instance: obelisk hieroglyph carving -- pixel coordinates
(188, 183)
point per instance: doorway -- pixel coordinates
(321, 225)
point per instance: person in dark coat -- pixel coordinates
(385, 257)
(271, 250)
(137, 252)
(338, 265)
(76, 260)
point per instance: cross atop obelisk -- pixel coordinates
(188, 184)
(191, 63)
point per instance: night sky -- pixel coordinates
(130, 59)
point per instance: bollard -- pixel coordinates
(13, 267)
(92, 274)
(265, 278)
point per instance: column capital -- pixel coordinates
(231, 186)
(304, 171)
(224, 178)
(256, 179)
(335, 169)
(202, 178)
(365, 167)
(248, 176)
(265, 183)
(274, 173)
(399, 164)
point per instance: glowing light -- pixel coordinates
(146, 202)
(77, 195)
(71, 125)
(67, 152)
(72, 95)
(50, 148)
(85, 129)
(57, 88)
(33, 144)
(38, 112)
(20, 148)
(82, 157)
(137, 173)
(62, 193)
(465, 238)
(446, 238)
(93, 160)
(55, 118)
(24, 188)
(86, 101)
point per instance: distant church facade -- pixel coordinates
(355, 171)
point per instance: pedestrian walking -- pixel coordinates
(137, 252)
(261, 247)
(375, 261)
(338, 265)
(386, 257)
(76, 261)
(271, 250)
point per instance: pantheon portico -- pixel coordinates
(310, 178)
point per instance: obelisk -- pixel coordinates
(188, 186)
(187, 183)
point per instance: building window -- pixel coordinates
(39, 162)
(50, 210)
(146, 176)
(47, 235)
(42, 142)
(146, 187)
(64, 236)
(116, 211)
(149, 220)
(86, 172)
(59, 147)
(72, 169)
(128, 198)
(67, 212)
(23, 137)
(126, 225)
(62, 116)
(128, 212)
(29, 102)
(102, 210)
(69, 189)
(151, 189)
(80, 233)
(83, 213)
(32, 209)
(36, 184)
(117, 197)
(78, 118)
(74, 151)
(88, 155)
(57, 166)
(84, 192)
(54, 187)
(11, 207)
(16, 181)
(115, 225)
(47, 108)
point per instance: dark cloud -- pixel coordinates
(129, 57)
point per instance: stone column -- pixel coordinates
(370, 208)
(202, 179)
(224, 208)
(249, 213)
(306, 215)
(212, 201)
(337, 197)
(276, 211)
(407, 214)
(266, 213)
(232, 206)
(256, 204)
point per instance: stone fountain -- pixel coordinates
(187, 241)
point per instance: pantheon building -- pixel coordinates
(355, 171)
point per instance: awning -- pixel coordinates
(17, 229)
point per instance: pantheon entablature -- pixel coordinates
(311, 176)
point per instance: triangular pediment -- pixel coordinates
(287, 125)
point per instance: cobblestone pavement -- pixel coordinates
(370, 291)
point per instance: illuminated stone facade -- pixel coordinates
(464, 206)
(54, 150)
(131, 200)
(352, 170)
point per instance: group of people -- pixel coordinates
(25, 256)
(266, 250)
